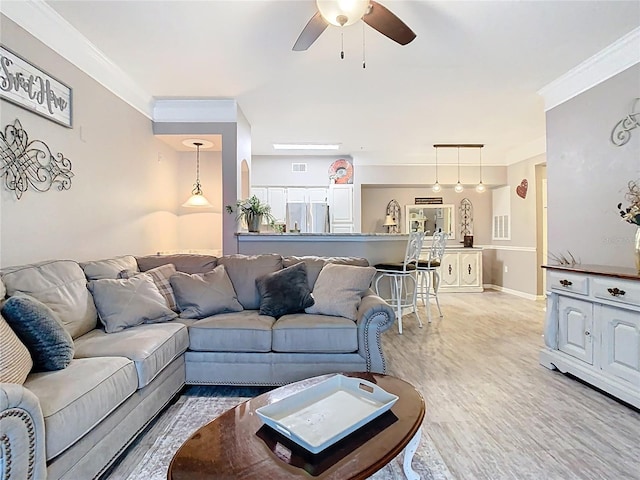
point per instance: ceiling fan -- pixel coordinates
(342, 13)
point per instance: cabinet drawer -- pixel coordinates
(568, 282)
(616, 290)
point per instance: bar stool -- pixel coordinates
(428, 272)
(403, 279)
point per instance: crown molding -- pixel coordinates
(48, 26)
(615, 58)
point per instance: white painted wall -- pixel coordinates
(123, 196)
(275, 170)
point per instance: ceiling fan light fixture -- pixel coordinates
(342, 13)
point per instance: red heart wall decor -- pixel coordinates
(521, 189)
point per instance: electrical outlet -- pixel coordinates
(506, 269)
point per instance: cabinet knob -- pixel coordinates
(616, 292)
(565, 283)
(469, 269)
(450, 269)
(587, 333)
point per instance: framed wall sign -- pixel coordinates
(34, 89)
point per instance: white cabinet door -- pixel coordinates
(575, 325)
(470, 275)
(296, 195)
(261, 193)
(317, 195)
(278, 202)
(620, 342)
(341, 203)
(342, 228)
(449, 270)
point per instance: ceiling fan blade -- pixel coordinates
(383, 20)
(311, 32)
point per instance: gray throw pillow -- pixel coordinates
(204, 294)
(160, 276)
(286, 291)
(125, 303)
(339, 290)
(38, 327)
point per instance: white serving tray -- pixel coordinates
(319, 416)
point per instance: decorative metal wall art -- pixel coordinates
(25, 164)
(621, 132)
(521, 190)
(466, 217)
(34, 89)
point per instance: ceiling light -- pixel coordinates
(306, 146)
(197, 199)
(342, 12)
(458, 188)
(436, 186)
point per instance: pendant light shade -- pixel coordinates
(458, 188)
(480, 188)
(436, 186)
(197, 198)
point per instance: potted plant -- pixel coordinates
(631, 214)
(252, 211)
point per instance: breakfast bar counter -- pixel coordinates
(375, 247)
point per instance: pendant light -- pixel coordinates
(197, 198)
(436, 186)
(480, 188)
(458, 188)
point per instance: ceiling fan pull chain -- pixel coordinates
(341, 43)
(364, 60)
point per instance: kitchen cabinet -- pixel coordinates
(592, 327)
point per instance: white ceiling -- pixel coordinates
(470, 76)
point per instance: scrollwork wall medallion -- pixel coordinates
(25, 163)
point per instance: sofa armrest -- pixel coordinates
(22, 441)
(374, 317)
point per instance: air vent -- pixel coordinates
(298, 167)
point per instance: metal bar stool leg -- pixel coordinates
(436, 286)
(415, 298)
(396, 293)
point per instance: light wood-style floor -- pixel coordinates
(493, 412)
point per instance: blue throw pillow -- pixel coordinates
(37, 326)
(285, 291)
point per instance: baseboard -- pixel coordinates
(517, 293)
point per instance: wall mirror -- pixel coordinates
(430, 219)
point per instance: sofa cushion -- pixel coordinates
(109, 268)
(62, 286)
(243, 271)
(3, 290)
(77, 398)
(125, 303)
(303, 332)
(15, 360)
(315, 264)
(284, 291)
(36, 325)
(245, 331)
(187, 263)
(339, 289)
(203, 294)
(151, 347)
(160, 276)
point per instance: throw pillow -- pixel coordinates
(38, 327)
(15, 361)
(124, 303)
(160, 276)
(339, 290)
(285, 291)
(204, 294)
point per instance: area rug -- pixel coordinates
(196, 411)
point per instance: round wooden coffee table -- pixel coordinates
(238, 445)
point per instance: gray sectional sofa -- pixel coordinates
(73, 423)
